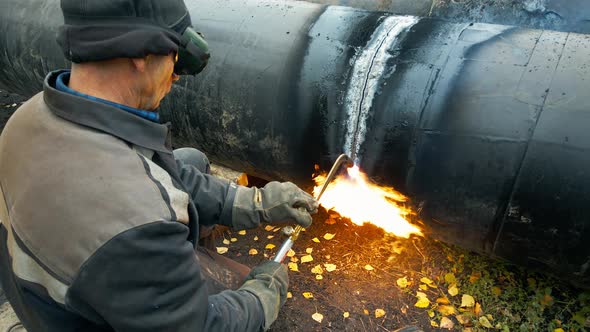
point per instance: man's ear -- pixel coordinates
(139, 64)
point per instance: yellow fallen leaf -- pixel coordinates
(242, 232)
(446, 323)
(423, 287)
(276, 229)
(319, 277)
(225, 241)
(428, 282)
(309, 250)
(450, 279)
(402, 282)
(316, 240)
(290, 253)
(379, 313)
(242, 180)
(546, 300)
(253, 252)
(293, 267)
(443, 300)
(446, 310)
(433, 323)
(423, 302)
(490, 317)
(222, 250)
(496, 291)
(420, 294)
(431, 313)
(369, 267)
(365, 311)
(462, 319)
(270, 236)
(317, 317)
(467, 301)
(477, 310)
(532, 282)
(453, 290)
(329, 236)
(485, 322)
(559, 329)
(346, 314)
(256, 238)
(330, 267)
(307, 295)
(306, 259)
(289, 295)
(269, 228)
(270, 246)
(233, 239)
(327, 256)
(317, 270)
(294, 259)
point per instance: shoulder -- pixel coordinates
(71, 189)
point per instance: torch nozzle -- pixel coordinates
(343, 159)
(349, 163)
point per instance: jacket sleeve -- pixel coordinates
(213, 197)
(148, 279)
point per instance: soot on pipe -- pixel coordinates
(484, 126)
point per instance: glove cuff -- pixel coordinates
(247, 202)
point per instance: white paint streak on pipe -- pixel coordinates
(369, 66)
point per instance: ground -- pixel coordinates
(377, 278)
(373, 268)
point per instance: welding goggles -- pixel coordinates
(193, 53)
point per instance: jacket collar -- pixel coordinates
(106, 118)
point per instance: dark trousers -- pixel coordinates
(220, 272)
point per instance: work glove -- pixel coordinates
(275, 202)
(268, 282)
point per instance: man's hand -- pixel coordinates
(275, 202)
(268, 282)
(285, 202)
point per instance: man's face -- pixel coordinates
(158, 78)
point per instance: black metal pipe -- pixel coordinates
(562, 15)
(483, 125)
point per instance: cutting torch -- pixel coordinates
(293, 233)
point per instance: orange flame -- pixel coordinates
(355, 197)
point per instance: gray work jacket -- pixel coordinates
(99, 223)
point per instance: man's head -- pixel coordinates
(142, 38)
(136, 82)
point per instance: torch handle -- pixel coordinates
(282, 253)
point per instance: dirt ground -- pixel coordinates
(351, 287)
(368, 283)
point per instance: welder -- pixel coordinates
(100, 218)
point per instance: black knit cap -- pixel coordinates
(97, 30)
